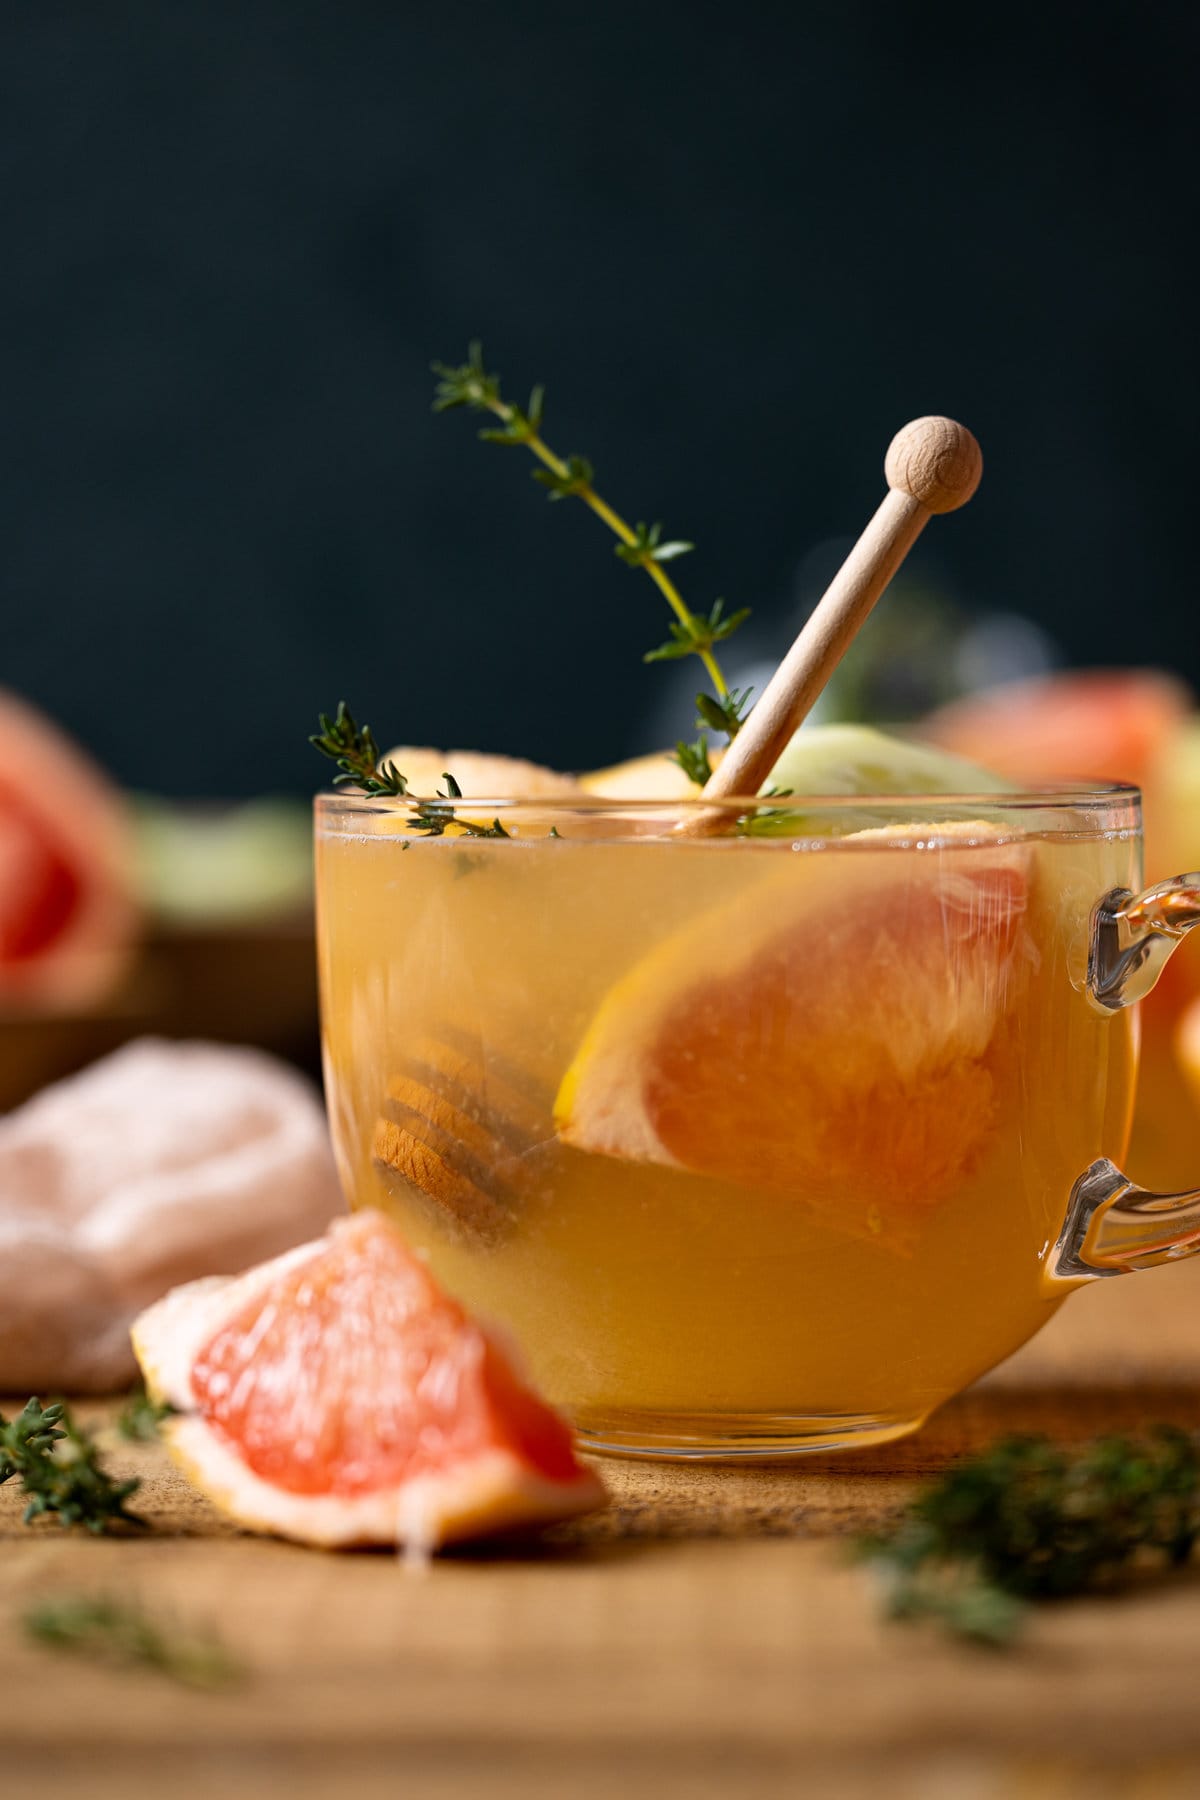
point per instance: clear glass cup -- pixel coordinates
(763, 1126)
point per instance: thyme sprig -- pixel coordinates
(353, 748)
(642, 546)
(1025, 1521)
(433, 816)
(119, 1632)
(59, 1468)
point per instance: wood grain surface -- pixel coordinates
(705, 1636)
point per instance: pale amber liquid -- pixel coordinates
(635, 1289)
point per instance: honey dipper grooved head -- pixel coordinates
(935, 460)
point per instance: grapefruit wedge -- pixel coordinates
(1086, 725)
(832, 1034)
(654, 777)
(337, 1396)
(68, 915)
(480, 775)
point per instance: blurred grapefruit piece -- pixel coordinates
(1187, 1045)
(1092, 724)
(656, 776)
(337, 1396)
(480, 776)
(68, 917)
(829, 1035)
(1176, 792)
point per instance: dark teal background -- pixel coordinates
(740, 244)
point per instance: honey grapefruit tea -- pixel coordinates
(764, 1122)
(754, 1141)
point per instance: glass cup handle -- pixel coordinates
(1134, 934)
(1112, 1224)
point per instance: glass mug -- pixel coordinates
(762, 1130)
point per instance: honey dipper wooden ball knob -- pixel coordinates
(936, 462)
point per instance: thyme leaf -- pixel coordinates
(694, 760)
(724, 714)
(574, 478)
(647, 547)
(467, 385)
(59, 1469)
(699, 633)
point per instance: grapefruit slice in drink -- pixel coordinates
(833, 1034)
(338, 1396)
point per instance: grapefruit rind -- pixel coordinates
(487, 1493)
(492, 1494)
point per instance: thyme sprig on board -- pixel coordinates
(1026, 1521)
(353, 748)
(639, 546)
(119, 1632)
(59, 1469)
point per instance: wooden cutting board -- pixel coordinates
(706, 1636)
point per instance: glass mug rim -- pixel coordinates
(1081, 797)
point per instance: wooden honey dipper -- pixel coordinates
(932, 466)
(459, 1132)
(456, 1126)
